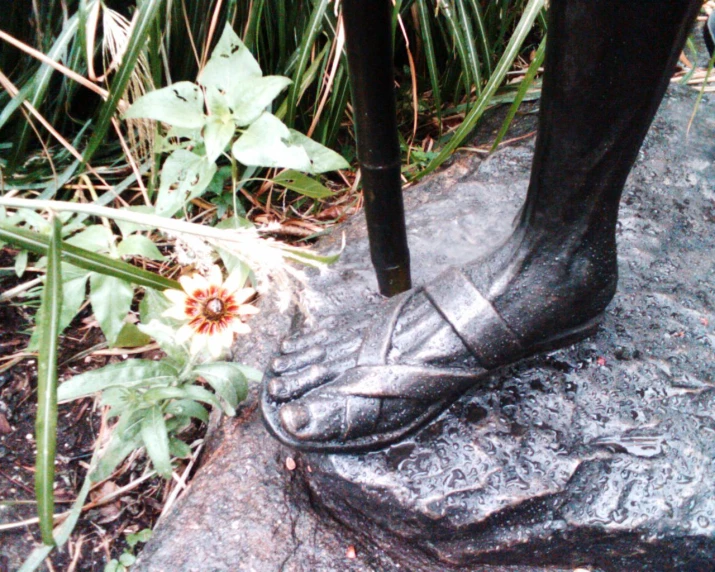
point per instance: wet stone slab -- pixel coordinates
(601, 455)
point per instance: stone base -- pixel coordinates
(600, 455)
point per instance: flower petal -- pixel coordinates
(243, 294)
(247, 309)
(176, 296)
(178, 312)
(214, 276)
(192, 283)
(216, 349)
(198, 343)
(184, 333)
(235, 280)
(239, 327)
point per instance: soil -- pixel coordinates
(100, 534)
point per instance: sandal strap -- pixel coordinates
(474, 319)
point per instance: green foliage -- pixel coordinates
(237, 94)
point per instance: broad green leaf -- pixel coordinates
(127, 374)
(152, 306)
(302, 184)
(46, 421)
(255, 95)
(111, 300)
(36, 242)
(267, 143)
(127, 559)
(226, 378)
(165, 336)
(218, 133)
(156, 441)
(180, 105)
(184, 176)
(131, 337)
(204, 396)
(322, 159)
(117, 450)
(188, 408)
(230, 65)
(21, 263)
(142, 536)
(97, 238)
(179, 449)
(74, 292)
(139, 245)
(126, 227)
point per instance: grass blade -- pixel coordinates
(46, 422)
(40, 244)
(512, 50)
(142, 27)
(521, 93)
(306, 45)
(430, 56)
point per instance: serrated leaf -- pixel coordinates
(111, 300)
(302, 184)
(127, 374)
(139, 245)
(322, 159)
(266, 143)
(180, 105)
(230, 65)
(184, 176)
(217, 135)
(156, 441)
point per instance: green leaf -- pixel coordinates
(303, 184)
(131, 337)
(119, 447)
(230, 65)
(188, 408)
(322, 159)
(143, 19)
(179, 449)
(21, 263)
(74, 292)
(139, 245)
(217, 135)
(267, 143)
(226, 378)
(36, 242)
(184, 176)
(111, 300)
(127, 374)
(156, 441)
(112, 566)
(46, 421)
(142, 536)
(165, 336)
(127, 559)
(152, 306)
(180, 105)
(96, 238)
(254, 96)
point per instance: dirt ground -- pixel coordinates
(126, 503)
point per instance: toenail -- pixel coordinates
(294, 417)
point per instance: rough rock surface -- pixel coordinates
(601, 455)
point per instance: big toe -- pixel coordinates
(318, 421)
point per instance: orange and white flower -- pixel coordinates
(213, 310)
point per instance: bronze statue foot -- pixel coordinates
(356, 389)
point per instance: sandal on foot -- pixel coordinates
(381, 402)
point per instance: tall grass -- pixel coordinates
(455, 47)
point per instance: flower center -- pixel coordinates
(214, 309)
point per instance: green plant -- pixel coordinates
(127, 558)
